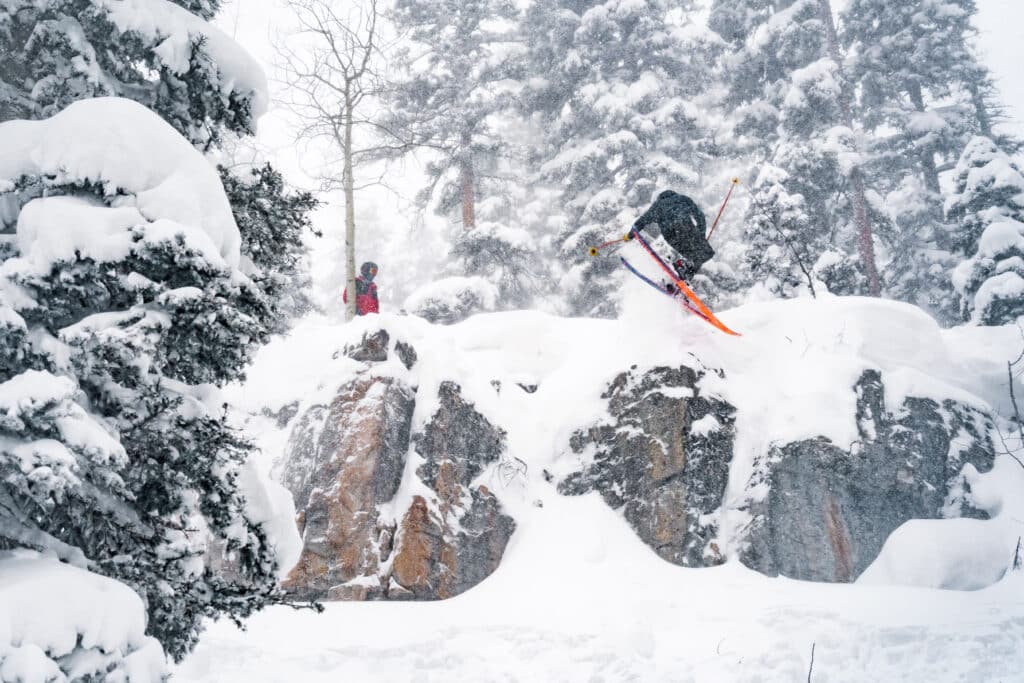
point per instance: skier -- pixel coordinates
(683, 226)
(366, 290)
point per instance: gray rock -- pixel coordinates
(406, 354)
(652, 463)
(457, 435)
(452, 543)
(830, 509)
(373, 348)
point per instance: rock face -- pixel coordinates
(432, 560)
(829, 510)
(347, 460)
(663, 459)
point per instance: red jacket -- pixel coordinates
(366, 297)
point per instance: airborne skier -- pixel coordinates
(683, 226)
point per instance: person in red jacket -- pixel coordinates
(366, 290)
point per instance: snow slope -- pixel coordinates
(578, 596)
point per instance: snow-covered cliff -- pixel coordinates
(795, 449)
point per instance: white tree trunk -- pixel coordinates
(350, 219)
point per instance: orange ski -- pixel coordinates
(683, 287)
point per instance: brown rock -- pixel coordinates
(345, 460)
(416, 564)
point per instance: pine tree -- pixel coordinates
(120, 461)
(273, 220)
(458, 85)
(813, 216)
(988, 209)
(925, 94)
(161, 56)
(164, 56)
(614, 89)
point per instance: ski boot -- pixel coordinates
(684, 270)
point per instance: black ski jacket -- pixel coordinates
(682, 225)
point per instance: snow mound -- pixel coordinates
(959, 554)
(59, 623)
(452, 299)
(125, 148)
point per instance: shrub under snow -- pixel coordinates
(452, 299)
(60, 623)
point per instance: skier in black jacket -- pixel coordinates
(684, 227)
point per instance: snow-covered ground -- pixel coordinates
(578, 596)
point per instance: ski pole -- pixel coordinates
(735, 182)
(593, 251)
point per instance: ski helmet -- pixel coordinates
(368, 270)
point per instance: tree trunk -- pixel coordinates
(865, 238)
(928, 167)
(981, 110)
(348, 180)
(468, 182)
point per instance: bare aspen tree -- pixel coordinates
(328, 69)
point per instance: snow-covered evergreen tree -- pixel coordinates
(614, 86)
(166, 56)
(811, 217)
(124, 301)
(925, 94)
(155, 52)
(273, 220)
(458, 79)
(122, 305)
(988, 209)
